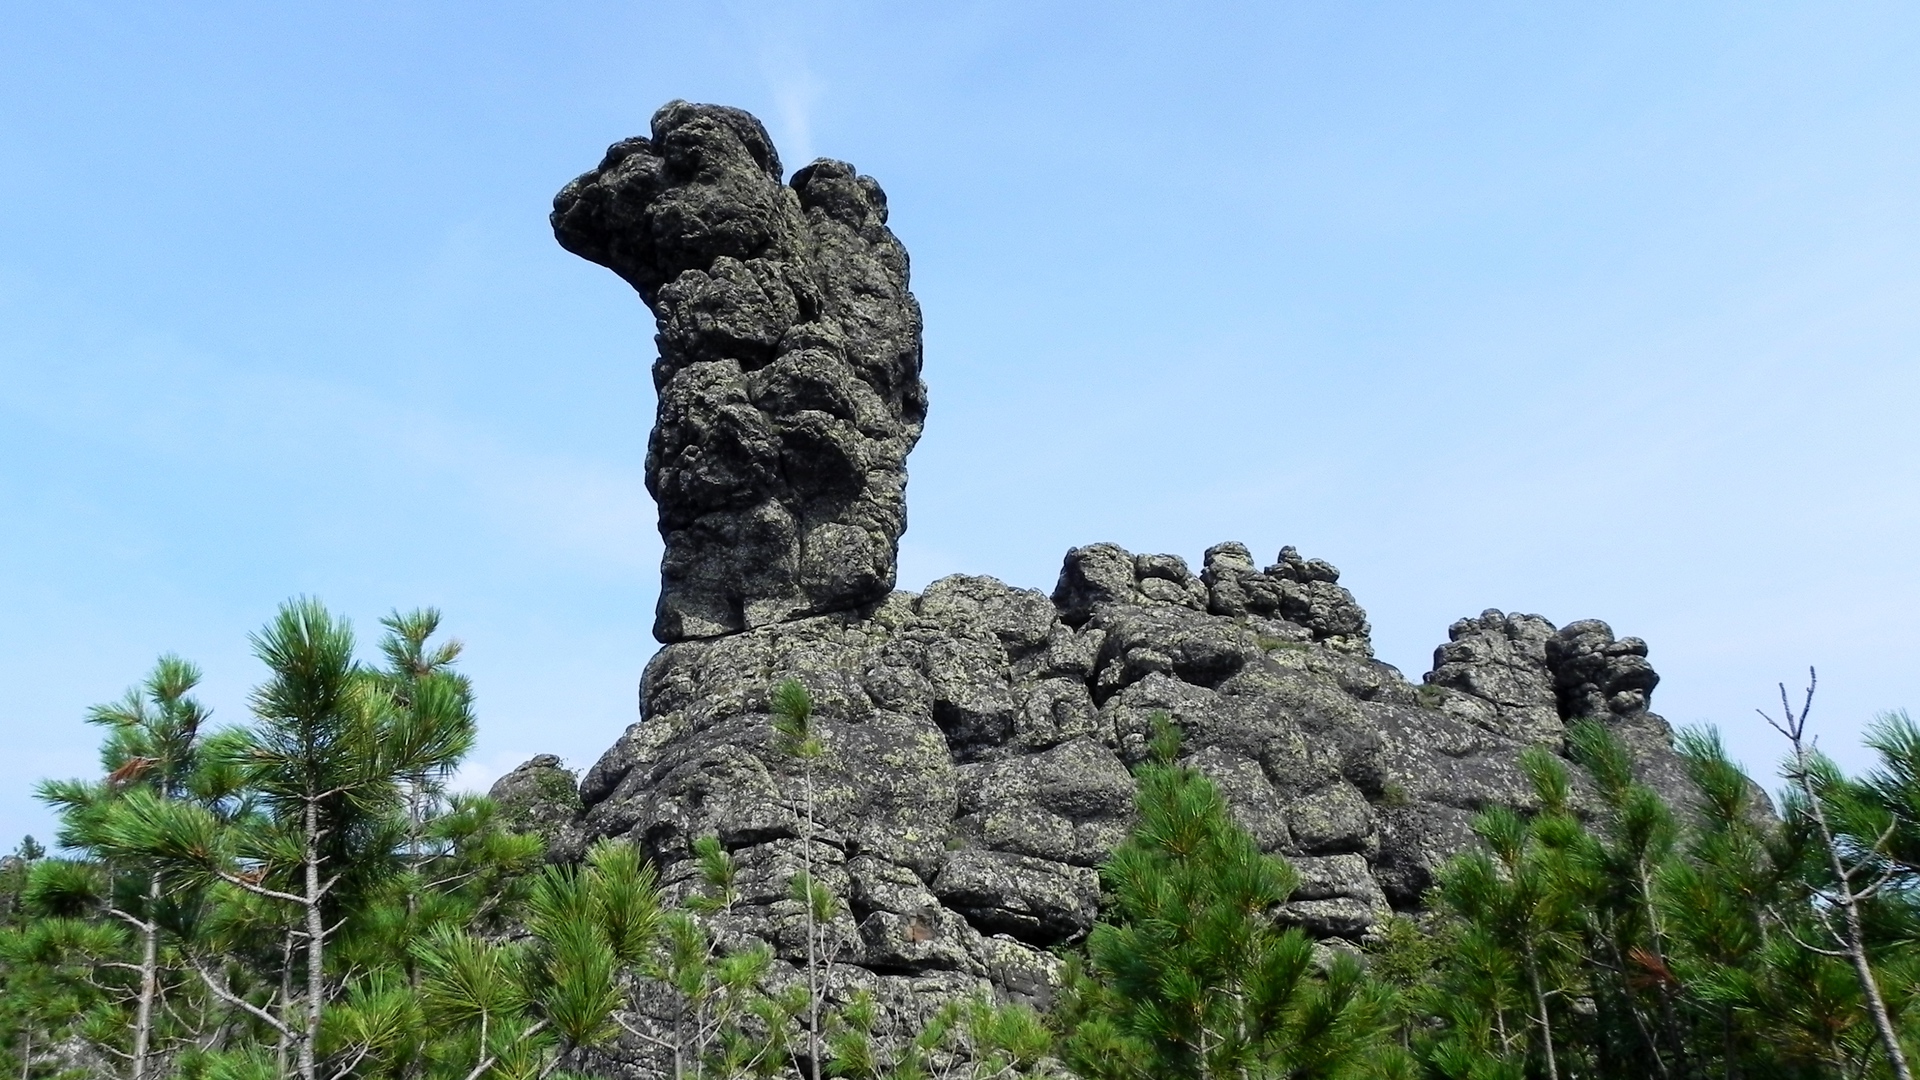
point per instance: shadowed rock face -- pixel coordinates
(789, 368)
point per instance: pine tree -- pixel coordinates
(521, 1009)
(1719, 900)
(1519, 900)
(797, 737)
(1859, 867)
(1617, 865)
(970, 1039)
(52, 961)
(717, 994)
(328, 761)
(1187, 973)
(152, 748)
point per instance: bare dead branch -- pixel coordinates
(221, 991)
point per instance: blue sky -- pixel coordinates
(1586, 310)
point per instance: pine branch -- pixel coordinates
(227, 995)
(347, 1069)
(258, 889)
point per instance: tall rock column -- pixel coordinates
(789, 369)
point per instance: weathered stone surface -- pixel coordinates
(1334, 917)
(789, 369)
(979, 742)
(1599, 678)
(1337, 896)
(979, 736)
(1334, 819)
(1500, 662)
(1071, 803)
(1035, 900)
(540, 796)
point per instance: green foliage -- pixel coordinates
(242, 902)
(300, 895)
(1187, 975)
(972, 1039)
(793, 721)
(1275, 644)
(1605, 935)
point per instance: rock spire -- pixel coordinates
(789, 367)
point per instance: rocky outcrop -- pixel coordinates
(541, 797)
(1305, 592)
(978, 736)
(789, 367)
(1518, 675)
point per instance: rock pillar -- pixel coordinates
(789, 367)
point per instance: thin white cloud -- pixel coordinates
(781, 60)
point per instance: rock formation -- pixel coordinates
(789, 370)
(540, 797)
(979, 736)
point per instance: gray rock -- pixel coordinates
(978, 744)
(1331, 876)
(931, 939)
(1595, 675)
(1337, 897)
(1249, 794)
(1334, 917)
(540, 796)
(1416, 839)
(1034, 900)
(1309, 594)
(979, 736)
(789, 369)
(1501, 660)
(1072, 803)
(1094, 576)
(1226, 569)
(1020, 971)
(1599, 678)
(1333, 819)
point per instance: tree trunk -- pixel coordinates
(149, 981)
(1657, 938)
(416, 815)
(1546, 1022)
(814, 987)
(679, 1035)
(286, 1005)
(316, 944)
(1882, 1021)
(1626, 995)
(1855, 942)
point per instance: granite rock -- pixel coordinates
(788, 371)
(540, 796)
(979, 737)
